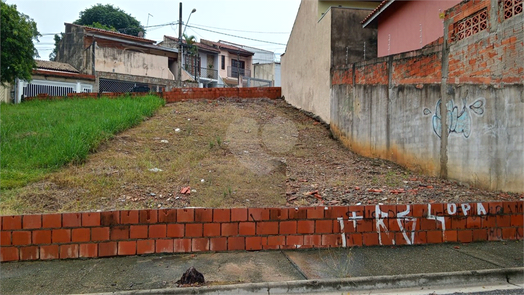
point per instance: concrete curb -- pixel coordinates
(507, 275)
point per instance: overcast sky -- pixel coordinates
(266, 20)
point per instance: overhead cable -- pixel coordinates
(190, 26)
(256, 32)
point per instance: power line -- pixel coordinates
(208, 30)
(224, 29)
(256, 32)
(162, 25)
(196, 33)
(235, 36)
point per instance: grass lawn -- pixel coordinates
(38, 137)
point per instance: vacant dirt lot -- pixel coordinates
(231, 153)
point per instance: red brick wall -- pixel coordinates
(418, 67)
(373, 73)
(119, 233)
(179, 94)
(421, 69)
(492, 56)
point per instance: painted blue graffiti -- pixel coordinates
(458, 121)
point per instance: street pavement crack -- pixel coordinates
(295, 265)
(480, 258)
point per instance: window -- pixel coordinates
(237, 68)
(470, 25)
(512, 7)
(223, 62)
(238, 64)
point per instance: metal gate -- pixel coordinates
(52, 88)
(108, 85)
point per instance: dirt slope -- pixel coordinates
(231, 153)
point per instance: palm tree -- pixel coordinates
(190, 44)
(192, 50)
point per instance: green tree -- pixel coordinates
(105, 17)
(190, 45)
(52, 55)
(17, 32)
(191, 50)
(103, 27)
(112, 17)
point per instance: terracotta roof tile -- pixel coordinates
(46, 72)
(377, 9)
(197, 44)
(230, 48)
(116, 34)
(56, 66)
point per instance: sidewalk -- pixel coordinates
(298, 271)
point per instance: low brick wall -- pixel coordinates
(134, 232)
(179, 94)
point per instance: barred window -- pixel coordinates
(470, 25)
(512, 7)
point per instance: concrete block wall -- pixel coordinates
(137, 232)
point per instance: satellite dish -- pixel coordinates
(141, 34)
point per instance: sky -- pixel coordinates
(265, 20)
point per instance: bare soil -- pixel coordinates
(231, 153)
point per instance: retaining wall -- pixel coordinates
(135, 232)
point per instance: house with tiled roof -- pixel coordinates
(51, 78)
(235, 62)
(407, 25)
(265, 71)
(202, 68)
(217, 64)
(118, 61)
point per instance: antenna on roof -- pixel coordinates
(148, 15)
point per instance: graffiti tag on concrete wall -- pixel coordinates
(458, 121)
(406, 223)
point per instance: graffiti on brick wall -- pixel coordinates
(458, 120)
(406, 223)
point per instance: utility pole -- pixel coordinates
(180, 50)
